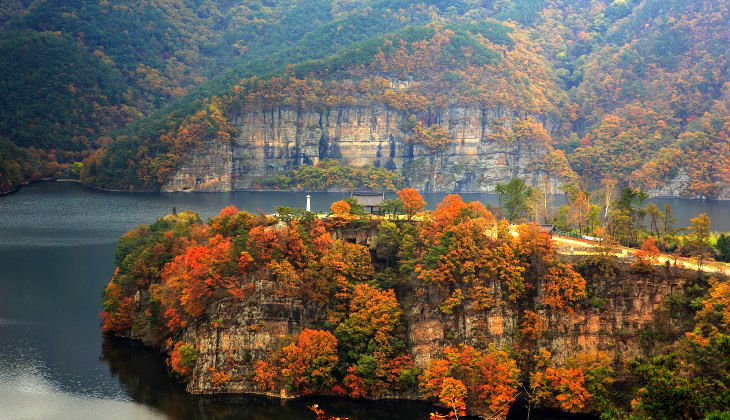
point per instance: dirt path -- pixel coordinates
(582, 247)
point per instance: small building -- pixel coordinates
(371, 202)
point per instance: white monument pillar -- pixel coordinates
(309, 202)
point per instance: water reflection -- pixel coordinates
(143, 375)
(29, 391)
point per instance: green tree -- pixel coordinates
(626, 222)
(513, 198)
(668, 220)
(388, 241)
(699, 238)
(355, 207)
(655, 216)
(663, 393)
(723, 245)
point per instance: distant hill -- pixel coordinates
(634, 90)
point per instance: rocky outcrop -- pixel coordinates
(241, 333)
(209, 169)
(681, 184)
(273, 142)
(612, 326)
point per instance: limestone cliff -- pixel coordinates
(244, 333)
(274, 142)
(680, 184)
(248, 334)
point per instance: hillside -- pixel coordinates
(127, 59)
(551, 91)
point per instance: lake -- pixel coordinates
(56, 255)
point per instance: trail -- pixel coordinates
(583, 247)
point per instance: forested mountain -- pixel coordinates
(635, 90)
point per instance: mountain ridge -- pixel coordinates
(644, 79)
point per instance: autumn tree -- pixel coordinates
(266, 375)
(308, 362)
(434, 138)
(465, 249)
(490, 379)
(341, 213)
(412, 201)
(191, 280)
(372, 323)
(340, 208)
(370, 339)
(563, 288)
(118, 310)
(646, 256)
(453, 396)
(562, 388)
(183, 358)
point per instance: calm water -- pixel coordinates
(56, 255)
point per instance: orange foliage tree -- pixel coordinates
(491, 378)
(308, 363)
(191, 280)
(183, 358)
(453, 396)
(412, 201)
(562, 387)
(563, 288)
(341, 215)
(646, 256)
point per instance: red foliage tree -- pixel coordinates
(118, 309)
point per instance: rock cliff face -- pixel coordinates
(614, 327)
(273, 142)
(246, 333)
(681, 183)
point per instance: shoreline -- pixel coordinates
(78, 181)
